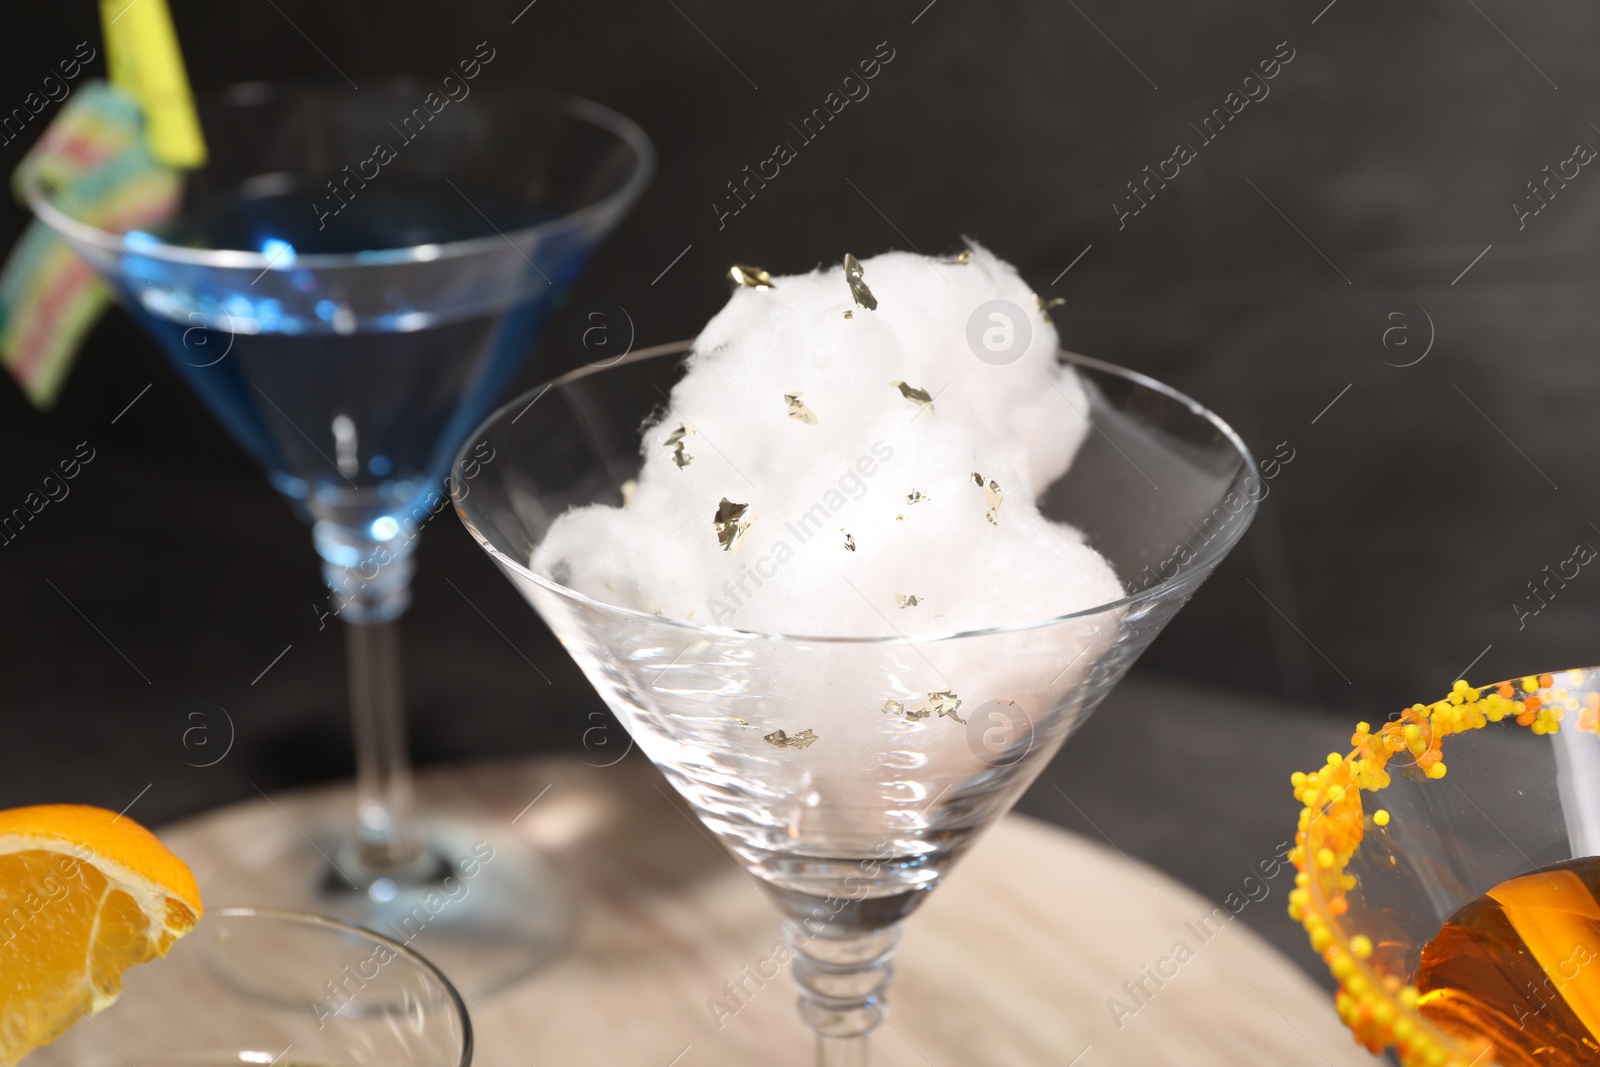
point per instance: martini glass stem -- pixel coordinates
(842, 981)
(371, 585)
(383, 767)
(842, 1051)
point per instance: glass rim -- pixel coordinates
(308, 919)
(1213, 552)
(1344, 930)
(245, 93)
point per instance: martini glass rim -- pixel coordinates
(1188, 576)
(399, 948)
(627, 131)
(1345, 926)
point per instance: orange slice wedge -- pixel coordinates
(84, 895)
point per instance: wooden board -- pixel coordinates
(1012, 962)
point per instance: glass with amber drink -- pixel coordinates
(1450, 875)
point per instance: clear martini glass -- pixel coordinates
(1448, 875)
(259, 987)
(850, 832)
(349, 283)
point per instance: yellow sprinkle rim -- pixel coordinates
(1379, 1009)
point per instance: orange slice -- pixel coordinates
(84, 895)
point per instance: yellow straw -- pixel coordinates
(144, 60)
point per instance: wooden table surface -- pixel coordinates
(1012, 962)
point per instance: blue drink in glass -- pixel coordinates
(350, 323)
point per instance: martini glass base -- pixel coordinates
(478, 902)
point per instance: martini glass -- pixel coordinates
(851, 832)
(252, 987)
(1475, 884)
(349, 283)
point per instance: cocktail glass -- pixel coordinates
(1391, 847)
(275, 988)
(851, 831)
(351, 281)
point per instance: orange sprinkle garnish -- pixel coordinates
(1380, 1008)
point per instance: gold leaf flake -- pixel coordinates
(858, 288)
(743, 725)
(849, 313)
(993, 494)
(629, 488)
(900, 517)
(946, 703)
(803, 739)
(907, 600)
(798, 409)
(919, 397)
(849, 540)
(1046, 305)
(748, 277)
(960, 259)
(732, 521)
(916, 496)
(674, 441)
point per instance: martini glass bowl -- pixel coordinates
(349, 283)
(851, 831)
(251, 987)
(1427, 814)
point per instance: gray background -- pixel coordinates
(1378, 176)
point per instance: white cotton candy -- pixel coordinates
(884, 474)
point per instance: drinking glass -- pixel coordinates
(251, 987)
(1388, 858)
(349, 283)
(851, 830)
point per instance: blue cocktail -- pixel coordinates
(350, 283)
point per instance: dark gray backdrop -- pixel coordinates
(1381, 166)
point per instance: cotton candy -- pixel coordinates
(877, 470)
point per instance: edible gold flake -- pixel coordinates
(748, 277)
(743, 725)
(900, 517)
(919, 397)
(629, 489)
(916, 496)
(993, 494)
(803, 739)
(849, 313)
(798, 409)
(908, 600)
(960, 259)
(858, 288)
(1046, 305)
(732, 521)
(849, 540)
(674, 441)
(946, 703)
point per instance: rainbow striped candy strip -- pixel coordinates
(96, 158)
